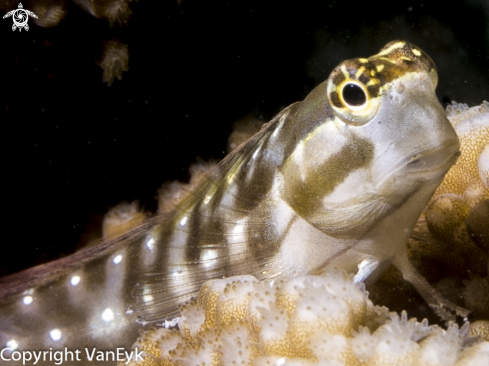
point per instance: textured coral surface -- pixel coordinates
(309, 320)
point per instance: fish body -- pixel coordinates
(337, 180)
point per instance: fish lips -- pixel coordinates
(431, 164)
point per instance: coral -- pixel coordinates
(115, 60)
(476, 295)
(308, 320)
(121, 219)
(466, 182)
(171, 192)
(115, 57)
(480, 328)
(243, 129)
(465, 178)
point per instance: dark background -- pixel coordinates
(73, 147)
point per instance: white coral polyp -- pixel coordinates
(363, 344)
(236, 347)
(274, 323)
(320, 308)
(192, 319)
(262, 296)
(442, 347)
(333, 348)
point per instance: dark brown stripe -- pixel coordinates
(335, 99)
(339, 77)
(374, 90)
(364, 79)
(306, 197)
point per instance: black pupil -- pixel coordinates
(354, 95)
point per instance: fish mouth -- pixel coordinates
(433, 162)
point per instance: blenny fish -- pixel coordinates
(337, 180)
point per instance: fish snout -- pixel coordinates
(433, 163)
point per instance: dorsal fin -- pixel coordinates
(222, 228)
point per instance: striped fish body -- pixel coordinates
(337, 180)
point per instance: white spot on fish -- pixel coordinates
(183, 221)
(117, 259)
(55, 334)
(75, 280)
(150, 243)
(416, 52)
(207, 255)
(207, 199)
(108, 315)
(27, 300)
(230, 178)
(255, 154)
(148, 298)
(238, 229)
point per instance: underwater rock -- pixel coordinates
(307, 320)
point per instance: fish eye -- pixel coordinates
(351, 100)
(353, 95)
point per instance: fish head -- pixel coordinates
(369, 139)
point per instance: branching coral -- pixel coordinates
(309, 320)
